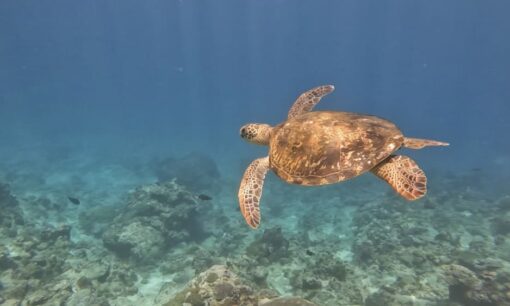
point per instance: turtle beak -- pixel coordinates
(243, 132)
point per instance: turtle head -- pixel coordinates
(256, 133)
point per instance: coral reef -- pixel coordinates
(96, 220)
(155, 218)
(501, 224)
(324, 268)
(488, 286)
(46, 268)
(161, 245)
(272, 246)
(288, 301)
(218, 286)
(10, 215)
(36, 267)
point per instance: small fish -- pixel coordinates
(75, 201)
(204, 197)
(309, 253)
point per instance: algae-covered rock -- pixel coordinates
(501, 224)
(86, 297)
(120, 280)
(202, 260)
(50, 294)
(320, 272)
(10, 302)
(288, 301)
(311, 283)
(504, 203)
(137, 240)
(197, 171)
(10, 215)
(217, 286)
(388, 297)
(96, 270)
(52, 234)
(95, 220)
(222, 291)
(488, 286)
(460, 275)
(461, 281)
(271, 247)
(305, 281)
(156, 217)
(380, 298)
(327, 266)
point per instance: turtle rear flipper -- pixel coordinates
(418, 143)
(250, 190)
(403, 175)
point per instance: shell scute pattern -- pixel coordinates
(319, 148)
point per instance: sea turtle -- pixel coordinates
(323, 147)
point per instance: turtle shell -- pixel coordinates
(326, 147)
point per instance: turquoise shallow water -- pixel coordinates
(133, 110)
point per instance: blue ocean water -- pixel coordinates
(134, 109)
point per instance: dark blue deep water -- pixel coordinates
(133, 109)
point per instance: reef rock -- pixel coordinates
(137, 240)
(489, 286)
(197, 171)
(217, 286)
(156, 217)
(288, 301)
(387, 296)
(50, 294)
(95, 220)
(271, 247)
(501, 224)
(504, 203)
(84, 298)
(460, 275)
(10, 215)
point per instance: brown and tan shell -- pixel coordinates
(326, 147)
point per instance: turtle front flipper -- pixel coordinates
(306, 101)
(250, 190)
(403, 175)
